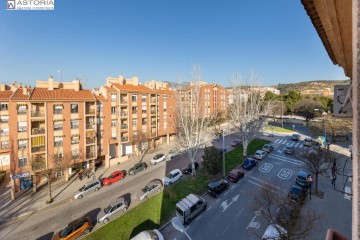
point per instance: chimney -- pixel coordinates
(51, 83)
(135, 80)
(24, 90)
(76, 84)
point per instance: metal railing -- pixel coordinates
(90, 140)
(58, 111)
(21, 112)
(124, 126)
(37, 113)
(37, 131)
(38, 149)
(124, 114)
(123, 101)
(90, 126)
(124, 139)
(90, 155)
(90, 111)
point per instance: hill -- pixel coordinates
(310, 86)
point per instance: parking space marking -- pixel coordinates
(264, 182)
(292, 144)
(285, 173)
(265, 167)
(297, 144)
(226, 193)
(198, 218)
(277, 140)
(285, 159)
(207, 209)
(232, 186)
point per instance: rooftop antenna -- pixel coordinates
(60, 71)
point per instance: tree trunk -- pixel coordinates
(193, 172)
(316, 182)
(49, 190)
(245, 146)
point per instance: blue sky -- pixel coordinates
(161, 40)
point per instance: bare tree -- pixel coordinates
(143, 144)
(249, 110)
(275, 207)
(56, 162)
(192, 125)
(335, 128)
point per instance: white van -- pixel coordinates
(188, 208)
(308, 142)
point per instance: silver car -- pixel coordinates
(150, 188)
(116, 207)
(87, 188)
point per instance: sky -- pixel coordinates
(163, 40)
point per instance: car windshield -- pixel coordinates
(107, 209)
(169, 175)
(145, 189)
(111, 176)
(246, 161)
(158, 156)
(81, 189)
(64, 232)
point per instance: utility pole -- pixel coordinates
(223, 152)
(282, 113)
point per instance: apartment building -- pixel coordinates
(50, 122)
(214, 99)
(130, 112)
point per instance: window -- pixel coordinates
(143, 109)
(134, 110)
(58, 125)
(113, 110)
(21, 110)
(144, 121)
(134, 122)
(75, 139)
(58, 141)
(113, 97)
(74, 108)
(4, 132)
(22, 144)
(4, 119)
(74, 124)
(4, 144)
(3, 106)
(22, 126)
(75, 154)
(143, 98)
(113, 135)
(22, 162)
(134, 98)
(113, 123)
(58, 109)
(100, 107)
(165, 97)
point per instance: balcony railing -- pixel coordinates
(38, 149)
(75, 157)
(124, 126)
(35, 131)
(58, 111)
(90, 111)
(90, 126)
(153, 112)
(113, 138)
(21, 112)
(90, 155)
(153, 100)
(124, 114)
(58, 144)
(123, 101)
(124, 139)
(4, 134)
(37, 114)
(22, 129)
(90, 140)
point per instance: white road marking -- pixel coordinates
(277, 140)
(297, 144)
(265, 167)
(218, 200)
(291, 144)
(301, 146)
(285, 173)
(232, 186)
(208, 208)
(259, 180)
(284, 159)
(225, 193)
(346, 195)
(198, 217)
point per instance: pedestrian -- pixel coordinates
(88, 174)
(334, 179)
(80, 176)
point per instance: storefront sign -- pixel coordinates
(20, 175)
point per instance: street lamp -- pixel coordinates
(324, 114)
(177, 224)
(223, 151)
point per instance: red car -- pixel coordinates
(114, 177)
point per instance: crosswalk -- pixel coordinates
(289, 143)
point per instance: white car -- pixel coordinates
(172, 177)
(149, 235)
(158, 158)
(173, 153)
(260, 154)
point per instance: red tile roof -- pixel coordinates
(100, 98)
(132, 88)
(44, 94)
(5, 95)
(18, 95)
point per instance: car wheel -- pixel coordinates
(154, 163)
(96, 189)
(124, 209)
(159, 190)
(145, 198)
(80, 197)
(87, 231)
(109, 184)
(204, 209)
(170, 183)
(106, 220)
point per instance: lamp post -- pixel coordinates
(223, 151)
(324, 114)
(282, 113)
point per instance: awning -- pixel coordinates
(38, 141)
(21, 105)
(58, 107)
(38, 120)
(58, 104)
(58, 120)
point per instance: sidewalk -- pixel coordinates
(62, 192)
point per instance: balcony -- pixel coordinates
(90, 155)
(153, 112)
(21, 112)
(37, 114)
(113, 138)
(124, 139)
(22, 129)
(90, 111)
(4, 134)
(90, 140)
(123, 102)
(90, 126)
(153, 101)
(58, 144)
(124, 114)
(75, 157)
(124, 126)
(38, 149)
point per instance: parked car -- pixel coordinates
(297, 194)
(295, 137)
(308, 142)
(172, 177)
(286, 213)
(235, 142)
(116, 207)
(173, 153)
(149, 235)
(74, 229)
(289, 150)
(215, 188)
(302, 179)
(260, 154)
(152, 187)
(188, 168)
(158, 158)
(286, 121)
(268, 148)
(235, 175)
(114, 177)
(87, 188)
(137, 168)
(274, 232)
(249, 163)
(188, 208)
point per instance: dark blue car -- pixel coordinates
(249, 163)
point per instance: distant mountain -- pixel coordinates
(310, 85)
